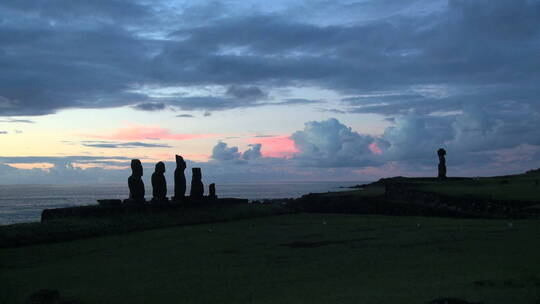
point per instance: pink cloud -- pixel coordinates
(277, 146)
(30, 166)
(85, 166)
(375, 149)
(139, 132)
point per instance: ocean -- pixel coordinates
(24, 203)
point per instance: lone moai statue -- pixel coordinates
(197, 187)
(179, 179)
(159, 184)
(442, 163)
(135, 183)
(212, 191)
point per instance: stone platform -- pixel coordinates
(118, 208)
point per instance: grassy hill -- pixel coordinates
(522, 187)
(297, 258)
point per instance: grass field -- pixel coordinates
(296, 258)
(520, 187)
(71, 228)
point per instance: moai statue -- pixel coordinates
(135, 183)
(212, 191)
(159, 184)
(197, 187)
(179, 179)
(442, 163)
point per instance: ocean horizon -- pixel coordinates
(21, 203)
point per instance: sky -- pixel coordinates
(262, 91)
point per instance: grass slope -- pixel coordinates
(519, 187)
(297, 258)
(71, 228)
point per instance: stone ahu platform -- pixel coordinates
(115, 207)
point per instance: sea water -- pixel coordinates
(24, 203)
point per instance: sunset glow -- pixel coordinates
(276, 146)
(139, 132)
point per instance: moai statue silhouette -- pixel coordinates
(212, 191)
(179, 179)
(135, 183)
(197, 187)
(159, 184)
(442, 163)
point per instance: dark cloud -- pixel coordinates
(207, 103)
(150, 106)
(462, 75)
(185, 115)
(3, 132)
(74, 55)
(10, 120)
(222, 152)
(295, 101)
(61, 10)
(470, 137)
(415, 137)
(82, 55)
(335, 111)
(253, 152)
(245, 92)
(116, 145)
(330, 143)
(63, 160)
(213, 103)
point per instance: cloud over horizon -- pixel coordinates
(322, 148)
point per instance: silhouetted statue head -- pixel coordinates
(441, 152)
(135, 183)
(180, 163)
(136, 168)
(160, 167)
(179, 179)
(196, 173)
(159, 184)
(197, 187)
